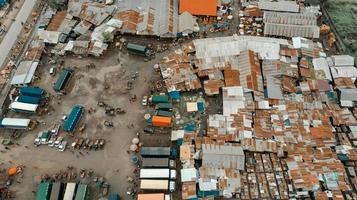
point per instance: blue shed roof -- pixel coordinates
(32, 91)
(62, 80)
(29, 99)
(73, 118)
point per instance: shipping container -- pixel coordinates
(43, 191)
(28, 99)
(73, 118)
(138, 49)
(57, 191)
(62, 80)
(23, 107)
(15, 123)
(155, 99)
(153, 196)
(164, 106)
(82, 192)
(32, 91)
(155, 162)
(155, 173)
(164, 113)
(70, 191)
(161, 121)
(155, 152)
(154, 184)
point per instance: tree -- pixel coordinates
(107, 37)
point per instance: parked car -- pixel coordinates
(144, 101)
(52, 71)
(52, 140)
(55, 130)
(58, 141)
(62, 146)
(149, 130)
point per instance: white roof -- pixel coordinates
(192, 106)
(267, 48)
(321, 64)
(186, 22)
(285, 6)
(338, 72)
(207, 184)
(154, 173)
(343, 60)
(233, 100)
(23, 106)
(50, 37)
(189, 174)
(24, 73)
(177, 134)
(15, 122)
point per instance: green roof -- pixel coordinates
(43, 191)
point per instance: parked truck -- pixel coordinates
(156, 99)
(138, 49)
(163, 152)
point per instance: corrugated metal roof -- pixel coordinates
(24, 73)
(284, 6)
(223, 156)
(288, 30)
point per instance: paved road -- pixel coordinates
(12, 34)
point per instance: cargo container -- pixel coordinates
(62, 80)
(28, 99)
(153, 196)
(32, 91)
(23, 107)
(82, 192)
(155, 162)
(70, 191)
(154, 173)
(43, 191)
(15, 123)
(155, 99)
(73, 118)
(57, 191)
(138, 49)
(164, 113)
(161, 121)
(113, 196)
(164, 106)
(155, 184)
(155, 152)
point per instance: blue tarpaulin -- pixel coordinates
(201, 194)
(190, 127)
(175, 95)
(73, 118)
(200, 106)
(2, 3)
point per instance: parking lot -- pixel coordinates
(106, 82)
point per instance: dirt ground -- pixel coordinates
(86, 88)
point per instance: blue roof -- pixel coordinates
(29, 99)
(32, 91)
(73, 118)
(62, 80)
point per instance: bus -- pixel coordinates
(56, 192)
(155, 162)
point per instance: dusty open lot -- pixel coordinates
(87, 88)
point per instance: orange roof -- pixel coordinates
(154, 196)
(199, 7)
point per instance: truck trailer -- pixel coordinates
(156, 184)
(154, 173)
